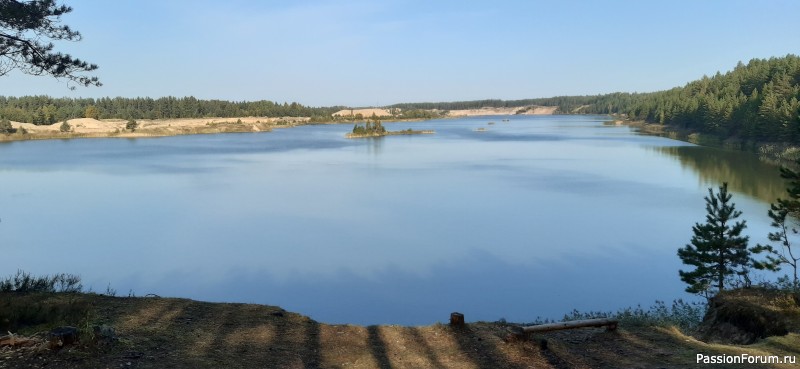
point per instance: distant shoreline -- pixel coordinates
(111, 128)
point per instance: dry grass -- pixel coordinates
(179, 333)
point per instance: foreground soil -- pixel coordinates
(155, 332)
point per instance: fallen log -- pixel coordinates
(611, 325)
(16, 341)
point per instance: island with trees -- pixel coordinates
(374, 128)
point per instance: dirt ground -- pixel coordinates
(155, 332)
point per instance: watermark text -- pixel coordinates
(746, 359)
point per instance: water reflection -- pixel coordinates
(744, 172)
(482, 286)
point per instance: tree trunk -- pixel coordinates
(721, 271)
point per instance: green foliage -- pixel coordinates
(5, 126)
(757, 102)
(369, 128)
(91, 112)
(65, 127)
(717, 250)
(24, 282)
(26, 31)
(419, 114)
(784, 214)
(131, 125)
(48, 110)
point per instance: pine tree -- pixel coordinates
(784, 214)
(27, 29)
(717, 249)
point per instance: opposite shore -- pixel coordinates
(102, 128)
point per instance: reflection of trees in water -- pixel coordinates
(744, 172)
(375, 145)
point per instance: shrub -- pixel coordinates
(686, 316)
(5, 126)
(131, 125)
(65, 127)
(25, 282)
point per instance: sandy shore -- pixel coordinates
(88, 127)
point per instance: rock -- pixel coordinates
(104, 334)
(62, 336)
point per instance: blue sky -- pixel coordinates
(363, 53)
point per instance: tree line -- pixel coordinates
(48, 110)
(758, 101)
(585, 104)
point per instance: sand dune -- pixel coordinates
(107, 126)
(522, 110)
(366, 113)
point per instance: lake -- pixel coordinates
(532, 218)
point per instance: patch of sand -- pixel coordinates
(366, 113)
(522, 110)
(94, 126)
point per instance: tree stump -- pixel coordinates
(62, 336)
(456, 320)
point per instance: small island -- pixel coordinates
(376, 129)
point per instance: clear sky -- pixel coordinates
(363, 53)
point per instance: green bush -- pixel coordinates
(5, 126)
(131, 125)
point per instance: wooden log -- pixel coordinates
(16, 341)
(611, 324)
(457, 319)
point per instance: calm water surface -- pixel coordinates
(534, 217)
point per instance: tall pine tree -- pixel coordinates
(717, 249)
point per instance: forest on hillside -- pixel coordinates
(757, 101)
